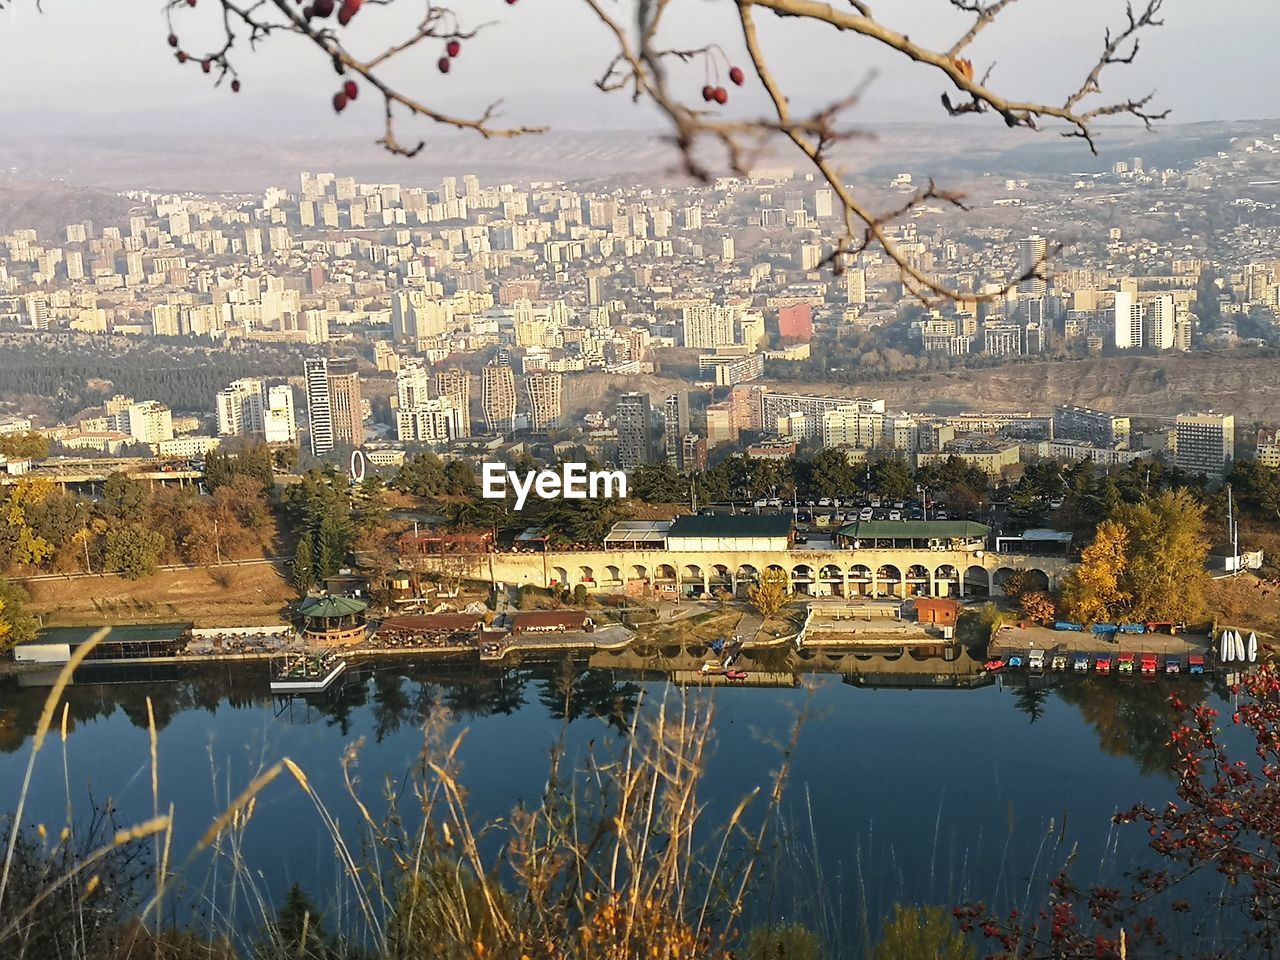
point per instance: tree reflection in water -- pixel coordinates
(1132, 719)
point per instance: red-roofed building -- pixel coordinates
(796, 321)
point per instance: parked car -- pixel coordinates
(824, 502)
(895, 514)
(761, 504)
(865, 514)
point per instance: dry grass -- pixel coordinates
(211, 597)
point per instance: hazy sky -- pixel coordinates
(1214, 59)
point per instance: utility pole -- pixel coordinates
(217, 541)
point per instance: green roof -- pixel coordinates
(726, 525)
(915, 530)
(326, 607)
(123, 633)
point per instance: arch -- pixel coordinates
(890, 580)
(747, 572)
(720, 572)
(664, 571)
(1038, 579)
(586, 574)
(977, 581)
(831, 571)
(775, 568)
(917, 580)
(948, 573)
(693, 572)
(639, 572)
(802, 579)
(859, 580)
(560, 576)
(612, 574)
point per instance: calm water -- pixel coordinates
(920, 795)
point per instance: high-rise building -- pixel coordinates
(346, 403)
(855, 285)
(150, 422)
(796, 321)
(279, 425)
(413, 384)
(707, 325)
(822, 205)
(1032, 251)
(635, 432)
(335, 411)
(675, 426)
(1204, 443)
(239, 408)
(1158, 328)
(545, 390)
(1267, 450)
(498, 397)
(455, 385)
(1128, 320)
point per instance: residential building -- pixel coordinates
(635, 431)
(498, 397)
(675, 425)
(545, 391)
(1204, 443)
(1091, 426)
(150, 422)
(1267, 452)
(456, 386)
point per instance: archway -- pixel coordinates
(665, 573)
(612, 574)
(802, 579)
(559, 577)
(639, 572)
(859, 580)
(917, 581)
(946, 580)
(831, 581)
(977, 582)
(999, 579)
(747, 575)
(587, 575)
(890, 580)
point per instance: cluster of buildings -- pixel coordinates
(433, 315)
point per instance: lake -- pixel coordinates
(921, 795)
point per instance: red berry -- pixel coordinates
(721, 94)
(206, 66)
(510, 2)
(350, 89)
(191, 3)
(235, 86)
(453, 48)
(182, 56)
(173, 39)
(322, 8)
(737, 76)
(443, 64)
(708, 93)
(348, 10)
(339, 102)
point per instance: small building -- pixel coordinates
(123, 642)
(915, 535)
(333, 621)
(939, 611)
(637, 535)
(551, 621)
(719, 533)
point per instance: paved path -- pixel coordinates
(166, 568)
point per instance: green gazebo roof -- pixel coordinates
(326, 608)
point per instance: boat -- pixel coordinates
(1195, 663)
(1147, 664)
(302, 673)
(1035, 661)
(1251, 647)
(735, 674)
(1068, 625)
(994, 665)
(1059, 662)
(1124, 663)
(1080, 663)
(1172, 664)
(1015, 660)
(1103, 664)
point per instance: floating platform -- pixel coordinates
(308, 675)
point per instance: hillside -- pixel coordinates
(1246, 385)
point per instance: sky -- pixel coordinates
(93, 65)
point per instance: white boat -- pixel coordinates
(307, 674)
(1253, 647)
(1239, 642)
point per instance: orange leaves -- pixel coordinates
(965, 67)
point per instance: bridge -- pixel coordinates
(817, 573)
(92, 471)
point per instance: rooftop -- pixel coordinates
(721, 525)
(915, 530)
(326, 607)
(124, 633)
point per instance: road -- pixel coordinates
(168, 568)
